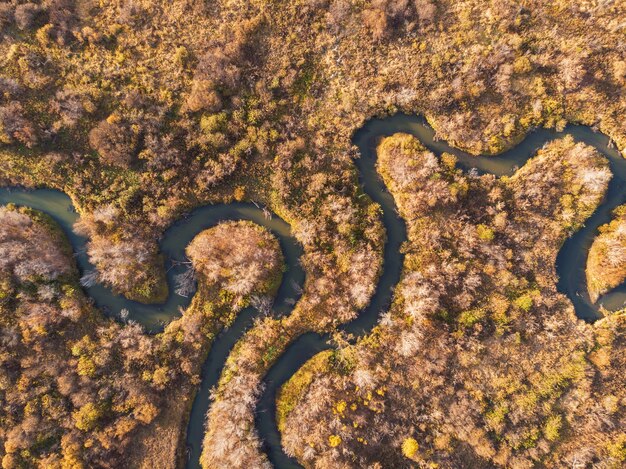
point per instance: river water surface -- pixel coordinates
(571, 261)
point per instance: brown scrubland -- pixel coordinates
(143, 109)
(78, 388)
(491, 361)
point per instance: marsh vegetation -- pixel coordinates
(142, 110)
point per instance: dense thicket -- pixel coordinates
(239, 256)
(70, 380)
(606, 264)
(143, 109)
(74, 386)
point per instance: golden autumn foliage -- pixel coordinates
(77, 387)
(606, 264)
(142, 110)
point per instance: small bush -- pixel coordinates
(410, 447)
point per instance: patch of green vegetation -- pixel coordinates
(617, 447)
(293, 390)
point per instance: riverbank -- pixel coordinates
(348, 397)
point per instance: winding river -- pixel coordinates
(570, 261)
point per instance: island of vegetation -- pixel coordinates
(144, 110)
(606, 266)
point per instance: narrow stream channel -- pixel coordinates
(571, 261)
(153, 317)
